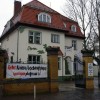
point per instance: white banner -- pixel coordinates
(24, 71)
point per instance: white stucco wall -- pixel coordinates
(72, 52)
(10, 44)
(46, 39)
(95, 70)
(68, 42)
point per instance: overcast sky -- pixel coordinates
(6, 9)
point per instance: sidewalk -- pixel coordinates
(77, 94)
(67, 91)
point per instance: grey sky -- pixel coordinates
(6, 9)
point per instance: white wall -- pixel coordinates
(10, 44)
(72, 52)
(46, 39)
(68, 42)
(95, 70)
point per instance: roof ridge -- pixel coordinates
(68, 19)
(50, 9)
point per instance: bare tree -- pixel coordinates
(87, 14)
(95, 25)
(97, 14)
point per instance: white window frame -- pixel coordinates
(32, 62)
(33, 36)
(73, 28)
(55, 38)
(44, 17)
(74, 44)
(64, 25)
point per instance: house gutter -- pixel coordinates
(17, 44)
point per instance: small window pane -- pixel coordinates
(48, 19)
(34, 59)
(73, 28)
(38, 59)
(29, 59)
(74, 44)
(40, 18)
(30, 39)
(11, 59)
(37, 38)
(59, 63)
(44, 18)
(31, 33)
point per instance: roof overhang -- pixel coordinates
(37, 26)
(75, 36)
(28, 25)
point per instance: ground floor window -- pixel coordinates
(11, 59)
(59, 63)
(67, 65)
(34, 59)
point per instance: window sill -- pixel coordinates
(35, 43)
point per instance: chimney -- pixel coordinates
(17, 7)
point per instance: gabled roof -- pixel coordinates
(28, 17)
(38, 5)
(69, 23)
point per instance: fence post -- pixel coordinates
(3, 58)
(1, 67)
(88, 68)
(34, 92)
(52, 53)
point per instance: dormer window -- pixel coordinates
(44, 17)
(64, 25)
(73, 28)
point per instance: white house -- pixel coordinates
(35, 26)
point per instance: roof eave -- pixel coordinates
(9, 31)
(75, 36)
(29, 25)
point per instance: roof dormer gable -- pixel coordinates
(44, 17)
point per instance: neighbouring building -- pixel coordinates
(33, 27)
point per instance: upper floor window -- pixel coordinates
(44, 17)
(55, 38)
(74, 44)
(73, 28)
(34, 37)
